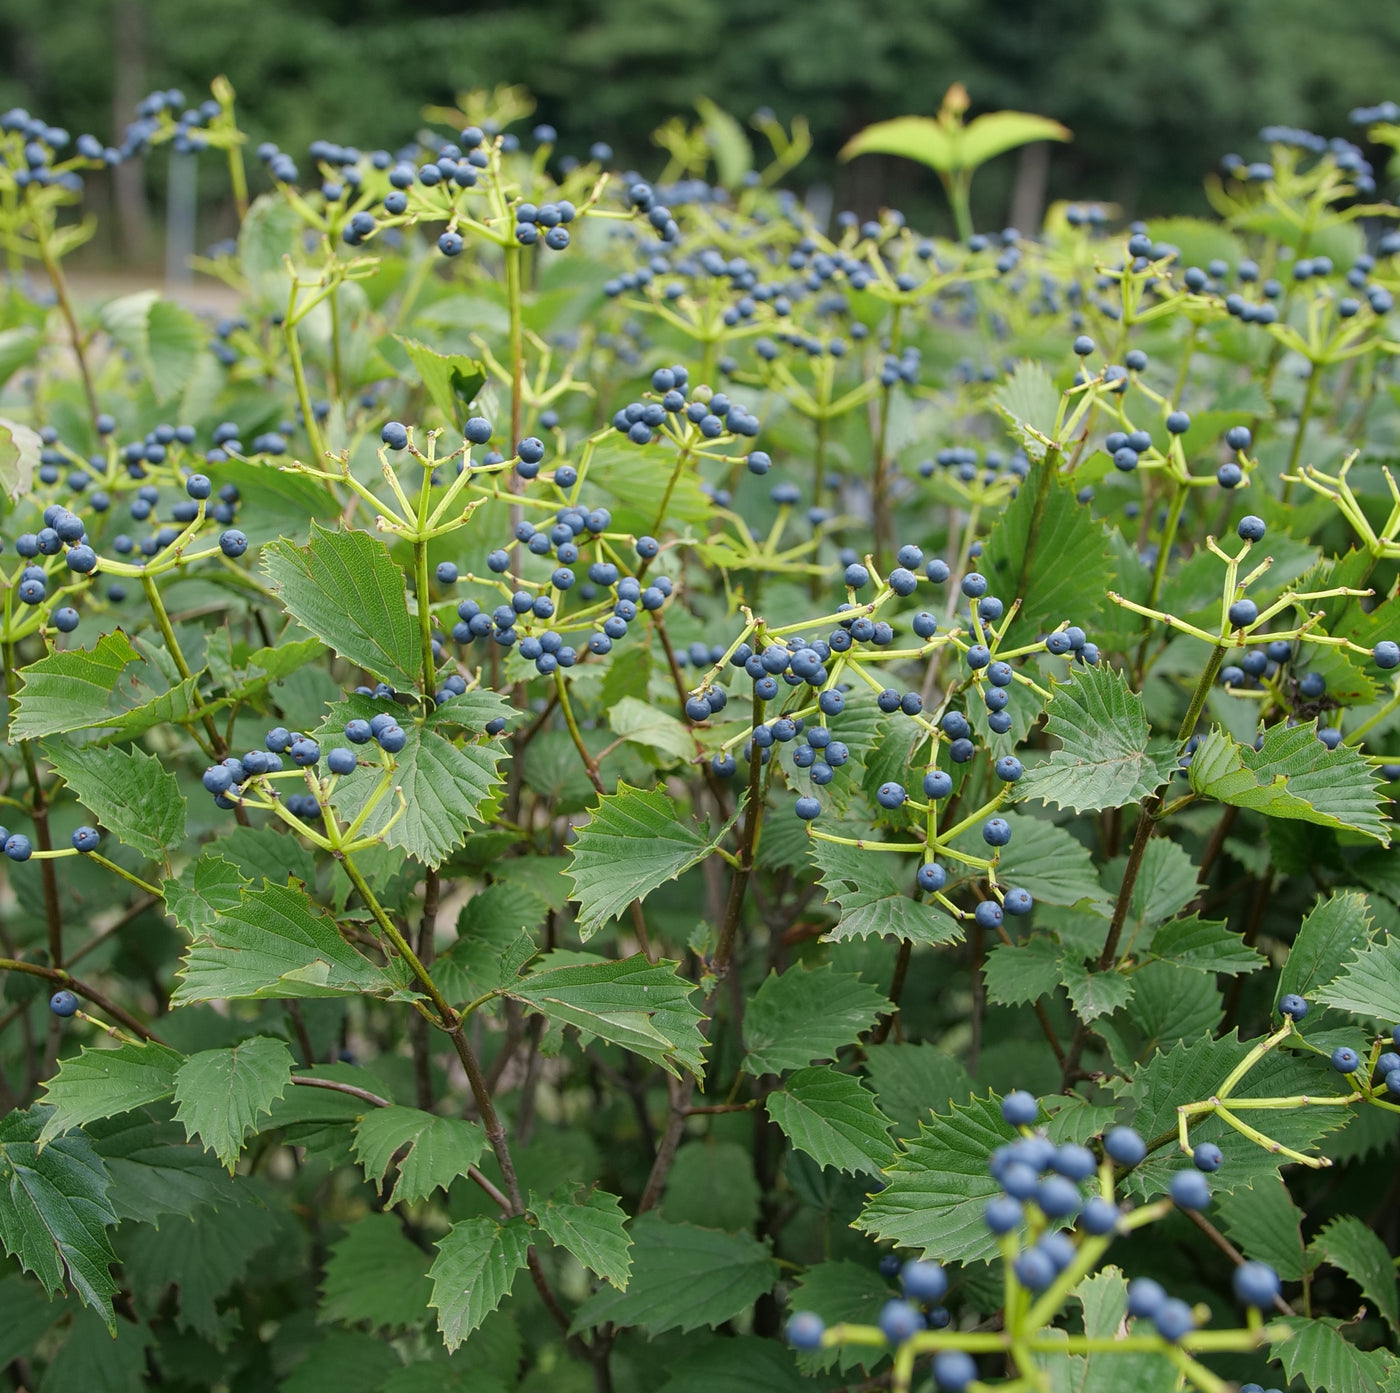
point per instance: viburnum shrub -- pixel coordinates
(609, 788)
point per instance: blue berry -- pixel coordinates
(1009, 769)
(392, 739)
(1033, 1269)
(1174, 1319)
(1003, 1214)
(1243, 613)
(395, 435)
(807, 809)
(1251, 528)
(66, 619)
(937, 784)
(18, 847)
(988, 914)
(1145, 1297)
(1018, 901)
(1057, 1197)
(1256, 1284)
(1020, 1108)
(805, 1330)
(86, 839)
(1294, 1007)
(924, 1281)
(996, 831)
(1099, 1216)
(931, 877)
(1189, 1190)
(1208, 1157)
(305, 752)
(899, 1321)
(1345, 1060)
(233, 543)
(891, 795)
(1124, 1146)
(953, 1369)
(63, 1003)
(1178, 422)
(1386, 654)
(341, 760)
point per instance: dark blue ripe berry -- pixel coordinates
(808, 809)
(899, 1321)
(1124, 1146)
(1251, 528)
(86, 839)
(1020, 1108)
(233, 543)
(891, 795)
(1345, 1060)
(63, 1003)
(1189, 1190)
(1256, 1284)
(18, 847)
(996, 831)
(937, 784)
(1293, 1006)
(66, 619)
(1178, 422)
(988, 914)
(392, 739)
(1145, 1298)
(805, 1330)
(1208, 1157)
(1174, 1319)
(394, 435)
(931, 877)
(1018, 901)
(341, 760)
(974, 585)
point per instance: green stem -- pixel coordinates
(177, 656)
(65, 303)
(1304, 412)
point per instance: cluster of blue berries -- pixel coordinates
(712, 413)
(18, 847)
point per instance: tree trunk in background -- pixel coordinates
(1028, 196)
(128, 87)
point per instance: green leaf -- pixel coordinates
(274, 944)
(453, 380)
(103, 1082)
(154, 1171)
(473, 1272)
(1107, 755)
(711, 1184)
(939, 1186)
(805, 1015)
(1049, 861)
(282, 503)
(1266, 1224)
(70, 690)
(164, 339)
(1093, 993)
(220, 1094)
(1333, 930)
(1019, 973)
(950, 148)
(436, 1150)
(635, 841)
(641, 723)
(727, 141)
(872, 900)
(910, 1080)
(831, 1117)
(591, 1226)
(1324, 1358)
(343, 1361)
(1047, 550)
(842, 1291)
(25, 1315)
(203, 1257)
(56, 1210)
(91, 1359)
(736, 1364)
(20, 448)
(1206, 945)
(1193, 1071)
(1029, 402)
(1369, 984)
(444, 784)
(1104, 1297)
(375, 1275)
(207, 888)
(644, 1007)
(1293, 775)
(344, 588)
(132, 793)
(683, 1278)
(1348, 1243)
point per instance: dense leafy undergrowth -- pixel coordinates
(603, 776)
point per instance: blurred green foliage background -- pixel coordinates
(1154, 90)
